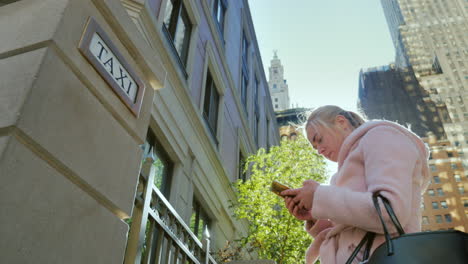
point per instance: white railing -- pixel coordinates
(157, 232)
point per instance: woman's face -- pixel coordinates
(328, 141)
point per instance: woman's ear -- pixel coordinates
(342, 122)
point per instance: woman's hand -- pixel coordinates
(302, 199)
(300, 214)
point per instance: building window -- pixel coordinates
(443, 204)
(219, 12)
(211, 105)
(242, 174)
(256, 120)
(276, 106)
(178, 28)
(433, 167)
(245, 71)
(425, 220)
(438, 219)
(423, 206)
(162, 164)
(436, 179)
(274, 86)
(454, 166)
(440, 191)
(461, 189)
(448, 218)
(457, 178)
(154, 179)
(430, 192)
(276, 100)
(465, 203)
(435, 205)
(199, 221)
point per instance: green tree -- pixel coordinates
(273, 233)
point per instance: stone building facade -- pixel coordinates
(122, 127)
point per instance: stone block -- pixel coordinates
(28, 22)
(67, 120)
(17, 74)
(44, 218)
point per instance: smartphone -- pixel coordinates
(277, 188)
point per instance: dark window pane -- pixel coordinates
(443, 204)
(448, 218)
(211, 104)
(440, 191)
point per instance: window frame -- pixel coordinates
(179, 9)
(200, 213)
(245, 78)
(217, 4)
(163, 156)
(212, 68)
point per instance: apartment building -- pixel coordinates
(122, 127)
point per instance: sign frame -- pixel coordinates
(92, 28)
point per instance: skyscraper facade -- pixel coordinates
(392, 93)
(431, 36)
(426, 89)
(278, 86)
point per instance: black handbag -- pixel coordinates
(415, 248)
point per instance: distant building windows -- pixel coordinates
(276, 106)
(443, 204)
(430, 192)
(435, 205)
(211, 105)
(448, 218)
(433, 167)
(274, 86)
(436, 179)
(457, 177)
(178, 28)
(425, 220)
(465, 203)
(276, 99)
(440, 191)
(461, 189)
(438, 219)
(454, 166)
(423, 206)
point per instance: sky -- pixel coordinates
(322, 45)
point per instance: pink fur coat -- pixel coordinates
(378, 156)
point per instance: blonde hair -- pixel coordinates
(325, 116)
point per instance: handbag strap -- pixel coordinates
(369, 236)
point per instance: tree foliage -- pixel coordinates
(273, 233)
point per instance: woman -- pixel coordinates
(372, 156)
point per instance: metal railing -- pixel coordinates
(157, 233)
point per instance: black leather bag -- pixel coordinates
(415, 248)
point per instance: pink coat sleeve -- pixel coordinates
(389, 158)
